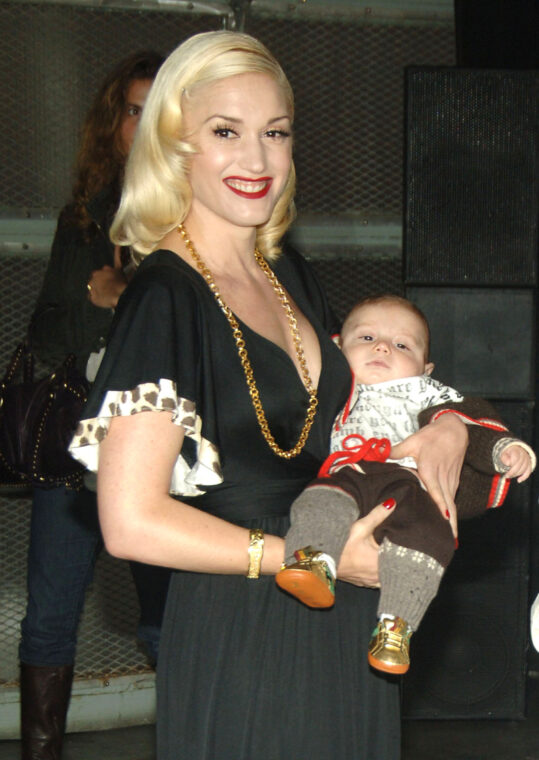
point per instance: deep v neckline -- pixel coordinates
(246, 329)
(307, 313)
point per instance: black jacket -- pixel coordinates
(64, 321)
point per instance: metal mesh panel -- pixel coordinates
(52, 60)
(21, 278)
(14, 515)
(347, 280)
(106, 645)
(348, 77)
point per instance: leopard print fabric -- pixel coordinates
(153, 397)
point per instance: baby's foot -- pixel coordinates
(389, 647)
(311, 579)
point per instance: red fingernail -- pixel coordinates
(447, 514)
(456, 543)
(389, 504)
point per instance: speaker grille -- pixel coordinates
(482, 339)
(469, 654)
(472, 182)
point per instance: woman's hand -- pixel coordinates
(359, 560)
(105, 287)
(439, 450)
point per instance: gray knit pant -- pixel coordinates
(416, 542)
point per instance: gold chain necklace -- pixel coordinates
(242, 351)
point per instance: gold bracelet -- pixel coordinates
(256, 551)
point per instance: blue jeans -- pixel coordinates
(65, 542)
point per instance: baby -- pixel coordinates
(386, 342)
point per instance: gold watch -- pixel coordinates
(255, 551)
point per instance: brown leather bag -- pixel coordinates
(37, 421)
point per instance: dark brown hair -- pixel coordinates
(100, 161)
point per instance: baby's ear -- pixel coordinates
(429, 366)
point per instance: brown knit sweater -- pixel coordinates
(481, 486)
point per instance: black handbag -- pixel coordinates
(37, 421)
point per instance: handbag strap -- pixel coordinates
(21, 356)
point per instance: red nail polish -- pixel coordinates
(389, 503)
(456, 543)
(447, 514)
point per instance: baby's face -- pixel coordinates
(384, 341)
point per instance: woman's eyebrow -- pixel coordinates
(222, 116)
(236, 120)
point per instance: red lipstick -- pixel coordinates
(240, 186)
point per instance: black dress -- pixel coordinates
(245, 671)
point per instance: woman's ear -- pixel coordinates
(429, 366)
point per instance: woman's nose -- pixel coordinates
(253, 157)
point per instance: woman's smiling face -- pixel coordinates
(241, 129)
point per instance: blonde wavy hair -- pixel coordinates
(156, 193)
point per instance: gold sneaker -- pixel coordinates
(389, 647)
(309, 579)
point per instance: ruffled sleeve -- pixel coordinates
(153, 363)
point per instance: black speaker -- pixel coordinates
(497, 33)
(472, 187)
(471, 245)
(469, 654)
(482, 339)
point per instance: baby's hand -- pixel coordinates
(519, 462)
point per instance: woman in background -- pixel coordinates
(85, 277)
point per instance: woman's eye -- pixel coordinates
(133, 111)
(225, 132)
(278, 134)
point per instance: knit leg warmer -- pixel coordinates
(409, 581)
(320, 517)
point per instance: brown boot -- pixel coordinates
(45, 692)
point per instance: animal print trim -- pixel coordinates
(153, 397)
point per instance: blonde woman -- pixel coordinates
(213, 409)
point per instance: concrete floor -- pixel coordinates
(422, 739)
